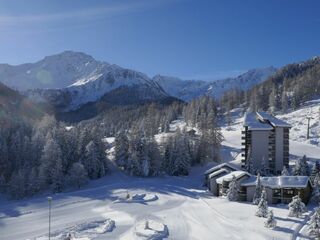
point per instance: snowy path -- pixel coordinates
(183, 206)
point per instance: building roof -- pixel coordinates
(218, 167)
(238, 174)
(253, 123)
(216, 173)
(279, 182)
(273, 120)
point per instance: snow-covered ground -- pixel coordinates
(298, 120)
(178, 208)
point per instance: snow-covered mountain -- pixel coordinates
(189, 89)
(71, 79)
(56, 71)
(103, 80)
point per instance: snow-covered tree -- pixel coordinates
(94, 160)
(233, 191)
(270, 222)
(122, 149)
(314, 224)
(17, 186)
(263, 205)
(301, 167)
(263, 169)
(77, 175)
(285, 171)
(258, 190)
(315, 197)
(314, 171)
(50, 170)
(296, 207)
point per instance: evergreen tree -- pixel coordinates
(270, 222)
(263, 205)
(285, 171)
(314, 171)
(284, 101)
(121, 149)
(301, 167)
(315, 197)
(233, 191)
(94, 160)
(314, 224)
(296, 207)
(273, 100)
(258, 190)
(77, 175)
(51, 164)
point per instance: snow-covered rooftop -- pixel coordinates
(238, 174)
(216, 173)
(253, 123)
(218, 167)
(273, 120)
(279, 182)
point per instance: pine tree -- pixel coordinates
(270, 222)
(284, 101)
(272, 100)
(301, 167)
(233, 191)
(77, 175)
(94, 160)
(263, 169)
(263, 205)
(315, 197)
(17, 188)
(296, 207)
(314, 171)
(122, 149)
(51, 164)
(258, 190)
(57, 176)
(284, 171)
(314, 224)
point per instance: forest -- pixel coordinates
(48, 154)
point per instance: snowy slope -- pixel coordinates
(56, 71)
(189, 89)
(181, 204)
(299, 122)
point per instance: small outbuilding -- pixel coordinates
(215, 172)
(224, 181)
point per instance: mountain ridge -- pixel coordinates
(71, 79)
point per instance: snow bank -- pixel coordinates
(138, 198)
(151, 230)
(83, 231)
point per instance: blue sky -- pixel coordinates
(200, 39)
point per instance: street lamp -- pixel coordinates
(49, 201)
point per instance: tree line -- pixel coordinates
(51, 155)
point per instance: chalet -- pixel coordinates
(213, 173)
(224, 181)
(280, 189)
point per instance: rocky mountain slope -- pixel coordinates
(189, 89)
(70, 80)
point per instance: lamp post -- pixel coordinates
(49, 201)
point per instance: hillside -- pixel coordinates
(289, 87)
(16, 108)
(190, 89)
